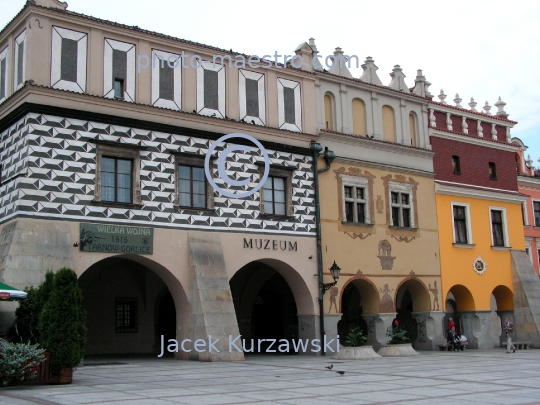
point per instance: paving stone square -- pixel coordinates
(472, 377)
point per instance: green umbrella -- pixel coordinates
(8, 293)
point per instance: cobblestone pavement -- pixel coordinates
(470, 377)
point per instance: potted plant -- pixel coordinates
(18, 361)
(398, 345)
(354, 347)
(62, 325)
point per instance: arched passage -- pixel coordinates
(268, 297)
(504, 298)
(458, 299)
(130, 302)
(359, 297)
(411, 296)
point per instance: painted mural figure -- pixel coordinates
(333, 296)
(387, 304)
(385, 249)
(435, 293)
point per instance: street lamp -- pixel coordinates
(334, 271)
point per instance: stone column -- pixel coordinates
(331, 329)
(503, 315)
(430, 332)
(475, 325)
(378, 324)
(308, 327)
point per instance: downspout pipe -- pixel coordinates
(329, 156)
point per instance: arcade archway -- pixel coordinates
(131, 302)
(265, 305)
(411, 296)
(359, 297)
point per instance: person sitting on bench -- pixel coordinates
(453, 338)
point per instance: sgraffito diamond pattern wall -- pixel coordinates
(49, 170)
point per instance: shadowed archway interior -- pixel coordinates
(264, 304)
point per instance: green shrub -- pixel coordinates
(355, 338)
(29, 310)
(397, 336)
(62, 325)
(17, 360)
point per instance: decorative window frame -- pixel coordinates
(469, 226)
(395, 187)
(4, 56)
(534, 224)
(131, 301)
(281, 84)
(122, 152)
(525, 214)
(194, 160)
(56, 59)
(242, 76)
(505, 227)
(20, 39)
(108, 80)
(284, 172)
(220, 69)
(162, 57)
(356, 181)
(528, 246)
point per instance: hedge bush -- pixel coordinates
(62, 324)
(17, 360)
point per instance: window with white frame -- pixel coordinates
(524, 213)
(20, 60)
(3, 73)
(528, 242)
(211, 89)
(536, 210)
(119, 70)
(499, 232)
(289, 105)
(68, 60)
(461, 219)
(355, 199)
(401, 205)
(166, 80)
(252, 97)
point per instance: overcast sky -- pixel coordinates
(480, 49)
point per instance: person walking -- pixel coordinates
(509, 329)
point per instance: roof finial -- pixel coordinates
(472, 104)
(500, 108)
(457, 100)
(487, 107)
(442, 96)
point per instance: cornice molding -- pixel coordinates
(454, 189)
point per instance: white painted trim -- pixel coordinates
(356, 181)
(505, 226)
(175, 104)
(201, 109)
(474, 141)
(4, 55)
(529, 181)
(525, 213)
(242, 76)
(56, 59)
(450, 189)
(297, 126)
(129, 85)
(21, 38)
(528, 241)
(468, 217)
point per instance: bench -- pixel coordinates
(450, 346)
(518, 345)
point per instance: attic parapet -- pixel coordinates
(471, 122)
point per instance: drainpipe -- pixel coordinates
(329, 156)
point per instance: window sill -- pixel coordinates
(360, 224)
(116, 204)
(194, 209)
(501, 247)
(527, 226)
(463, 245)
(276, 217)
(402, 228)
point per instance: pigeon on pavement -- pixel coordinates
(340, 372)
(330, 367)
